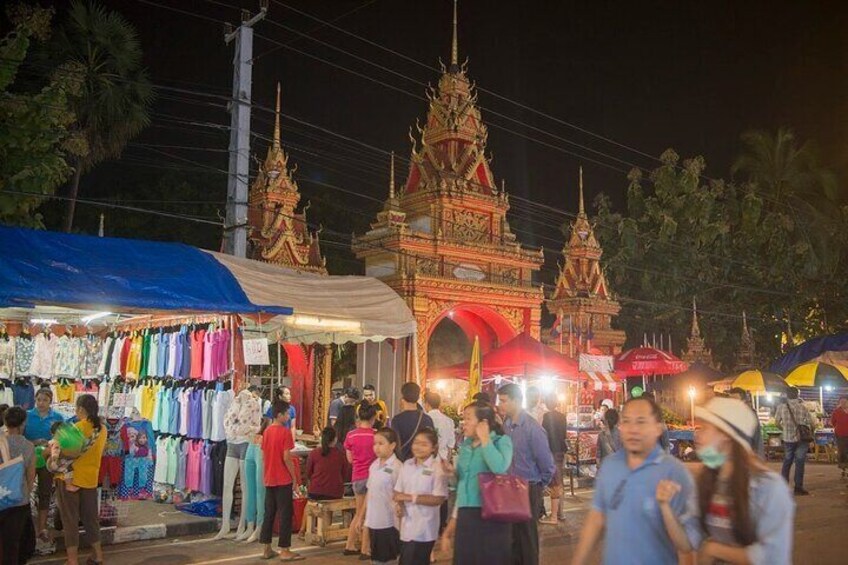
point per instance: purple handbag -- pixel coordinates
(506, 498)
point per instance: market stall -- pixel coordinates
(156, 332)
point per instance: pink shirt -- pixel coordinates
(208, 356)
(360, 442)
(195, 454)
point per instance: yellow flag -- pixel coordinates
(474, 370)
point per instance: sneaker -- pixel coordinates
(45, 548)
(801, 492)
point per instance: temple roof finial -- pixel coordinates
(455, 42)
(392, 177)
(745, 331)
(582, 209)
(277, 120)
(696, 329)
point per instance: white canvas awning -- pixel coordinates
(327, 309)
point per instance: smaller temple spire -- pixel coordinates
(745, 331)
(277, 120)
(392, 177)
(582, 209)
(696, 329)
(455, 42)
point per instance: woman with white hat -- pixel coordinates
(746, 510)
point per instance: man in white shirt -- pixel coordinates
(445, 427)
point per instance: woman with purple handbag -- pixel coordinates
(484, 452)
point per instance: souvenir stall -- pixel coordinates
(155, 332)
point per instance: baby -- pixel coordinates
(59, 461)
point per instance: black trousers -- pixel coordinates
(13, 522)
(525, 535)
(415, 552)
(278, 499)
(481, 542)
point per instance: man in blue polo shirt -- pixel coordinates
(533, 461)
(37, 430)
(625, 502)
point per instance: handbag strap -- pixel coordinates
(792, 414)
(415, 431)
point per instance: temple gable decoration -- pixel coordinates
(279, 234)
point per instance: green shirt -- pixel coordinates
(495, 457)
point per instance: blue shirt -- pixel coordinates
(532, 459)
(635, 531)
(37, 428)
(292, 415)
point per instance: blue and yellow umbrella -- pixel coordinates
(760, 382)
(817, 374)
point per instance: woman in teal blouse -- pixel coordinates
(485, 449)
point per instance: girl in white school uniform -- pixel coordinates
(381, 519)
(420, 491)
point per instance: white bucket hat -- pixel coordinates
(733, 417)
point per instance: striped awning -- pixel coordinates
(601, 380)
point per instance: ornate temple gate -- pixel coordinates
(443, 241)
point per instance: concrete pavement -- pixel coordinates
(820, 535)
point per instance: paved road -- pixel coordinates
(820, 535)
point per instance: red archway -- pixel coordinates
(478, 321)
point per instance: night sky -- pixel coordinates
(649, 75)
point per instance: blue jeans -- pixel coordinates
(794, 451)
(254, 495)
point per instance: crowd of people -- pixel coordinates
(401, 469)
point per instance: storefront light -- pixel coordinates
(90, 318)
(329, 324)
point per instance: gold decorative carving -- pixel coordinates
(467, 226)
(322, 383)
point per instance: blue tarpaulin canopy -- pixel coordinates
(41, 267)
(828, 348)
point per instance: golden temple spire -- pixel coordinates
(696, 329)
(392, 177)
(582, 209)
(455, 43)
(277, 121)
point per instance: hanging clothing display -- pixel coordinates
(7, 357)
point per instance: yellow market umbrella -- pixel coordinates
(759, 382)
(817, 374)
(474, 372)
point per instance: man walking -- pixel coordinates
(839, 419)
(789, 417)
(625, 505)
(532, 461)
(409, 420)
(555, 425)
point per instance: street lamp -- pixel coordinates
(692, 393)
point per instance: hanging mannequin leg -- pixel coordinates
(249, 482)
(233, 465)
(242, 525)
(260, 497)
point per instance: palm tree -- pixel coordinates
(781, 169)
(112, 107)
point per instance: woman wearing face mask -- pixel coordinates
(746, 510)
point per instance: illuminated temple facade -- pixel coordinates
(443, 239)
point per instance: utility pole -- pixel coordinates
(235, 224)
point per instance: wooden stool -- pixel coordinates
(319, 528)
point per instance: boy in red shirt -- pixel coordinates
(839, 419)
(278, 473)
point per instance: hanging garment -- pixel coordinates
(160, 473)
(218, 457)
(24, 352)
(197, 346)
(223, 353)
(182, 456)
(115, 361)
(7, 357)
(209, 357)
(126, 348)
(206, 408)
(194, 456)
(23, 393)
(106, 355)
(42, 358)
(134, 357)
(174, 413)
(67, 355)
(172, 354)
(92, 347)
(153, 356)
(185, 364)
(206, 469)
(223, 399)
(195, 414)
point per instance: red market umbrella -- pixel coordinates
(648, 361)
(522, 356)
